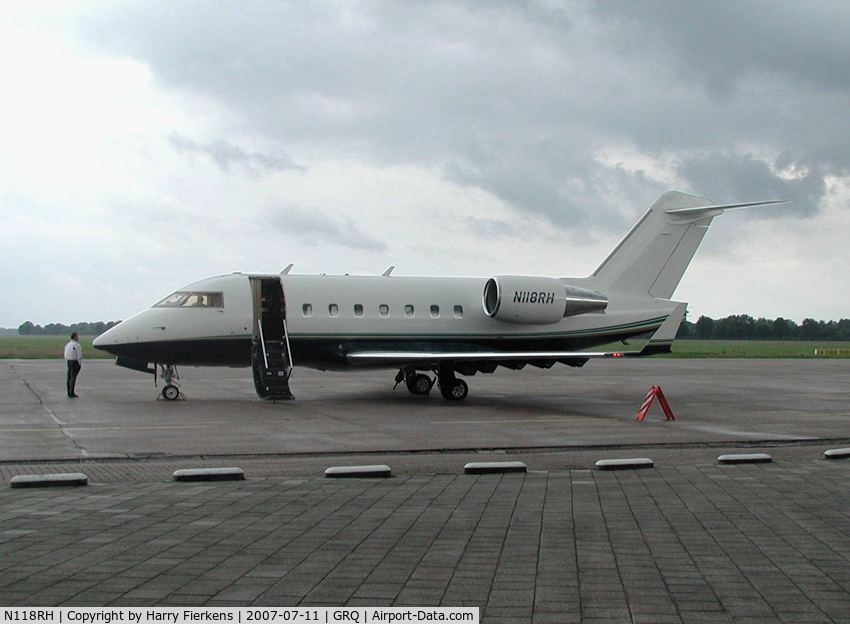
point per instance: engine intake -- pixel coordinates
(529, 300)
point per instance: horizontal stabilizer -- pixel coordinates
(701, 209)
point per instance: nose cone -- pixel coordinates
(106, 338)
(111, 337)
(133, 338)
(126, 335)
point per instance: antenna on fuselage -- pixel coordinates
(287, 269)
(388, 271)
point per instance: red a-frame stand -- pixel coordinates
(655, 391)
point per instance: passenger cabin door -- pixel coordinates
(271, 359)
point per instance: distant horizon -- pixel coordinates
(69, 327)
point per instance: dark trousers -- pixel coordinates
(73, 370)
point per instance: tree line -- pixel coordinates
(745, 327)
(58, 329)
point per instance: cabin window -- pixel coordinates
(307, 309)
(384, 310)
(435, 311)
(358, 309)
(192, 300)
(333, 309)
(408, 311)
(458, 311)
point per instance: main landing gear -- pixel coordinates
(171, 391)
(452, 388)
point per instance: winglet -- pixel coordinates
(662, 339)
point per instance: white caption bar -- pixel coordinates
(238, 615)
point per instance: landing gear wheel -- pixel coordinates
(170, 393)
(171, 390)
(456, 391)
(419, 384)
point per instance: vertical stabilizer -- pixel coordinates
(655, 254)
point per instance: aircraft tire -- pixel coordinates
(419, 384)
(457, 391)
(170, 393)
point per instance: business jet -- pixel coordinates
(429, 329)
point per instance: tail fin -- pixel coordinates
(655, 254)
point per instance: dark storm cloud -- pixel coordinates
(520, 98)
(775, 77)
(384, 82)
(723, 42)
(309, 224)
(519, 186)
(226, 155)
(571, 195)
(748, 178)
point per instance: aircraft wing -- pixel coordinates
(660, 342)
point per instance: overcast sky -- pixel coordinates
(146, 145)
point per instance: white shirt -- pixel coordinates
(73, 351)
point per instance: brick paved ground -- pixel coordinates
(678, 543)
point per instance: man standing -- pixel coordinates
(74, 358)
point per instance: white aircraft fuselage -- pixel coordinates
(330, 316)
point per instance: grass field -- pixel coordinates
(44, 348)
(51, 347)
(741, 348)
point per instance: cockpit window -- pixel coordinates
(192, 300)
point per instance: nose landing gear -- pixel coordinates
(171, 391)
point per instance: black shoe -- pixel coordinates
(73, 396)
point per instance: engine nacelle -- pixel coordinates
(528, 300)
